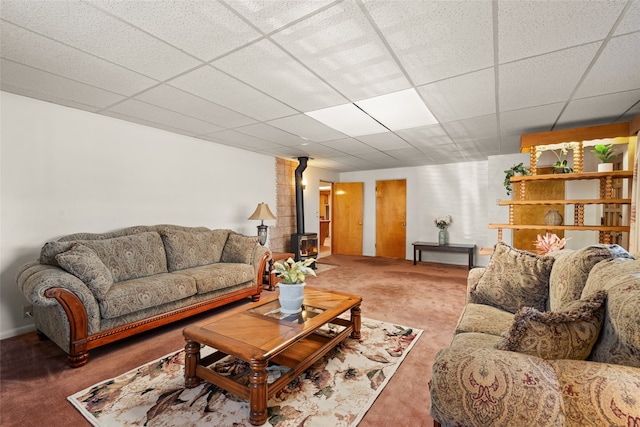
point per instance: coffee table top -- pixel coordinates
(259, 331)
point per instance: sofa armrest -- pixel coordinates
(260, 257)
(35, 280)
(480, 386)
(472, 281)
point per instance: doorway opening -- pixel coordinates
(325, 216)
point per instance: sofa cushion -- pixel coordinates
(566, 334)
(619, 340)
(571, 269)
(84, 263)
(127, 257)
(239, 248)
(186, 249)
(219, 276)
(514, 279)
(138, 294)
(484, 319)
(598, 394)
(133, 256)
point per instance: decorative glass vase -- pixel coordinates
(442, 237)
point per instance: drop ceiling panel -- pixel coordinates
(268, 68)
(631, 20)
(442, 40)
(315, 149)
(376, 157)
(270, 133)
(349, 146)
(620, 58)
(354, 161)
(213, 29)
(110, 38)
(384, 141)
(549, 78)
(307, 128)
(461, 97)
(598, 109)
(190, 105)
(285, 152)
(229, 92)
(28, 48)
(348, 119)
(344, 49)
(270, 15)
(155, 114)
(528, 28)
(530, 120)
(474, 128)
(233, 138)
(440, 152)
(147, 123)
(426, 136)
(408, 154)
(27, 81)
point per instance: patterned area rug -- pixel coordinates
(336, 391)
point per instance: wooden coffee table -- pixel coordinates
(259, 334)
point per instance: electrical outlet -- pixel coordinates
(27, 311)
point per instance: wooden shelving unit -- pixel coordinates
(606, 180)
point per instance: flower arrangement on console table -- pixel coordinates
(442, 222)
(292, 274)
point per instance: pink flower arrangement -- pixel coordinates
(549, 243)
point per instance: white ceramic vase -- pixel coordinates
(605, 167)
(291, 297)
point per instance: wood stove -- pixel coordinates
(303, 245)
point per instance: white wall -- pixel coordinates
(65, 170)
(459, 190)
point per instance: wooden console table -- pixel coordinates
(418, 247)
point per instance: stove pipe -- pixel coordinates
(299, 196)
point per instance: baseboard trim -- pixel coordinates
(17, 331)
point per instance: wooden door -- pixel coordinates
(540, 190)
(348, 204)
(391, 218)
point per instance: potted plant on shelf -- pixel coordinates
(514, 170)
(606, 155)
(292, 274)
(561, 165)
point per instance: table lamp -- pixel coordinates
(261, 213)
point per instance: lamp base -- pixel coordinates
(262, 234)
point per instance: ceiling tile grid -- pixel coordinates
(244, 72)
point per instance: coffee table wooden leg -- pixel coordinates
(258, 392)
(356, 320)
(191, 361)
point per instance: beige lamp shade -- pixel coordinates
(262, 212)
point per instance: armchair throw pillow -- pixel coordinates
(567, 334)
(514, 279)
(84, 263)
(239, 248)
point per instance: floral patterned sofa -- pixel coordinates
(89, 290)
(544, 341)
